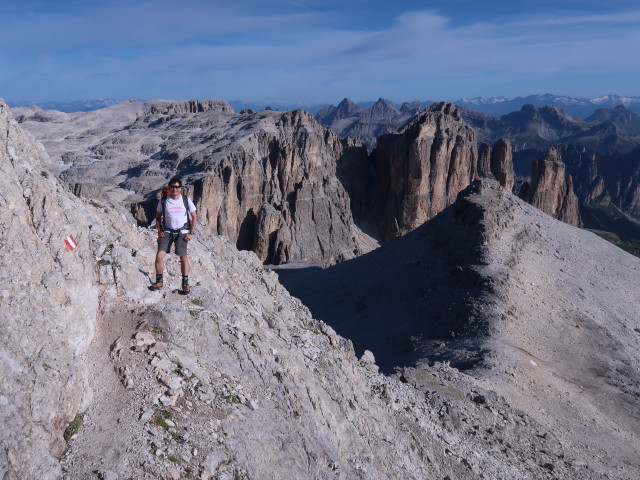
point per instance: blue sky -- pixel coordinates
(311, 51)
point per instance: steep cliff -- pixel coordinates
(266, 180)
(422, 168)
(279, 195)
(551, 190)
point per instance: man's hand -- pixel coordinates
(161, 234)
(188, 237)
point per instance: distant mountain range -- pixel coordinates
(494, 106)
(67, 107)
(576, 106)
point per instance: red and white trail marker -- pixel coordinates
(70, 243)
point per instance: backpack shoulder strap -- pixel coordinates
(163, 202)
(185, 199)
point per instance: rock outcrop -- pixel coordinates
(501, 164)
(422, 168)
(497, 163)
(484, 161)
(171, 107)
(551, 190)
(49, 304)
(280, 196)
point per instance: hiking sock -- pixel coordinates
(185, 279)
(158, 277)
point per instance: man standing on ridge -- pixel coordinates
(176, 223)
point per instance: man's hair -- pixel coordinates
(175, 180)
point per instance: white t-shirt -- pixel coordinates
(175, 216)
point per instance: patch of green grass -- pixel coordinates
(231, 398)
(73, 427)
(103, 262)
(159, 419)
(279, 308)
(194, 313)
(157, 329)
(198, 302)
(173, 459)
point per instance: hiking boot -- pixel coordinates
(185, 288)
(156, 286)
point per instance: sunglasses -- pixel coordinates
(175, 186)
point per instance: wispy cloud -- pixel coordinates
(308, 49)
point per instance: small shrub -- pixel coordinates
(197, 301)
(278, 375)
(279, 308)
(103, 262)
(73, 427)
(194, 313)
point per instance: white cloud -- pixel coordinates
(246, 49)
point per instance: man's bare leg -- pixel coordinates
(160, 262)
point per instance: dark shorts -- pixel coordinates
(164, 243)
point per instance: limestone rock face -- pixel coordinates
(266, 180)
(497, 163)
(279, 196)
(49, 303)
(551, 190)
(165, 107)
(484, 161)
(502, 163)
(422, 168)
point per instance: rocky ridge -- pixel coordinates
(542, 313)
(236, 381)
